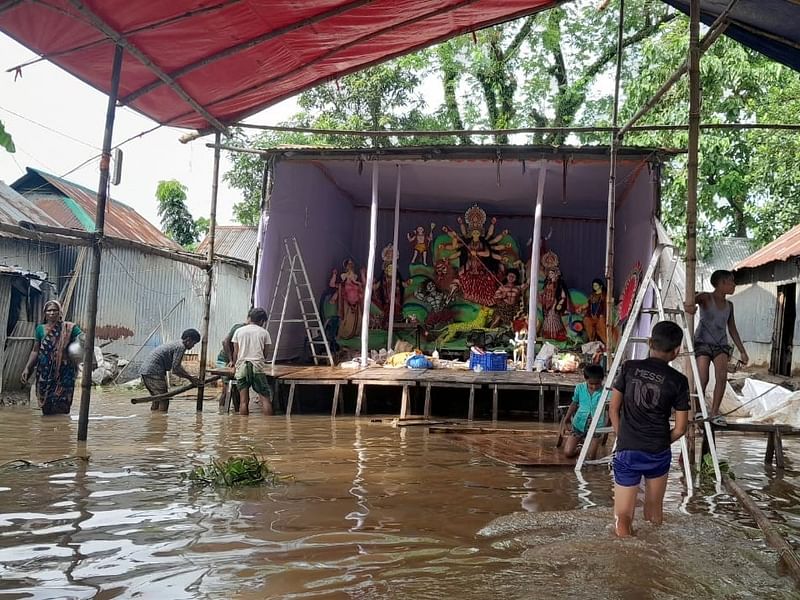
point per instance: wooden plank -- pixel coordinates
(389, 376)
(471, 410)
(757, 428)
(565, 380)
(466, 430)
(310, 374)
(276, 371)
(529, 449)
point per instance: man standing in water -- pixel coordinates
(644, 395)
(167, 357)
(250, 350)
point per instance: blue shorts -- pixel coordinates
(631, 465)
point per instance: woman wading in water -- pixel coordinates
(55, 382)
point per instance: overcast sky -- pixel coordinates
(71, 116)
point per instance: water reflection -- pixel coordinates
(373, 511)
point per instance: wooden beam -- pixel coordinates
(176, 255)
(256, 41)
(65, 231)
(120, 40)
(717, 28)
(73, 237)
(43, 237)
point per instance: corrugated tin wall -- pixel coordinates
(754, 310)
(28, 255)
(139, 294)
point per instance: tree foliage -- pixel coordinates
(555, 69)
(176, 220)
(5, 139)
(747, 178)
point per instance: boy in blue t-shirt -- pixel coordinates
(581, 412)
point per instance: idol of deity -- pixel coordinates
(595, 318)
(553, 299)
(480, 256)
(507, 299)
(349, 298)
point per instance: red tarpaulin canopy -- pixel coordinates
(201, 64)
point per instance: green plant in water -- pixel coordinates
(235, 471)
(707, 467)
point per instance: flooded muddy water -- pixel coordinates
(370, 511)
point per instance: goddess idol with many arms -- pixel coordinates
(480, 256)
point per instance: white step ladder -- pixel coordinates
(658, 278)
(293, 274)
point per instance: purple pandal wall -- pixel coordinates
(305, 203)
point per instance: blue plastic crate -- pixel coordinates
(491, 361)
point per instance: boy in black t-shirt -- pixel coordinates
(643, 397)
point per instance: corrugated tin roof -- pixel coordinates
(235, 241)
(15, 208)
(726, 252)
(784, 248)
(77, 208)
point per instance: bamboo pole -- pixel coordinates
(612, 190)
(691, 178)
(785, 552)
(717, 28)
(395, 256)
(90, 320)
(533, 279)
(212, 232)
(176, 391)
(488, 132)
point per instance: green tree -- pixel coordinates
(176, 220)
(202, 224)
(385, 97)
(748, 179)
(5, 139)
(541, 71)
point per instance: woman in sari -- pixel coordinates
(55, 382)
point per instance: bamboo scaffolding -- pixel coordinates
(692, 165)
(717, 28)
(90, 318)
(786, 553)
(122, 42)
(612, 190)
(517, 130)
(212, 231)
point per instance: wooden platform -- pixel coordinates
(519, 448)
(774, 432)
(406, 379)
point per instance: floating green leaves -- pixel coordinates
(235, 471)
(707, 467)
